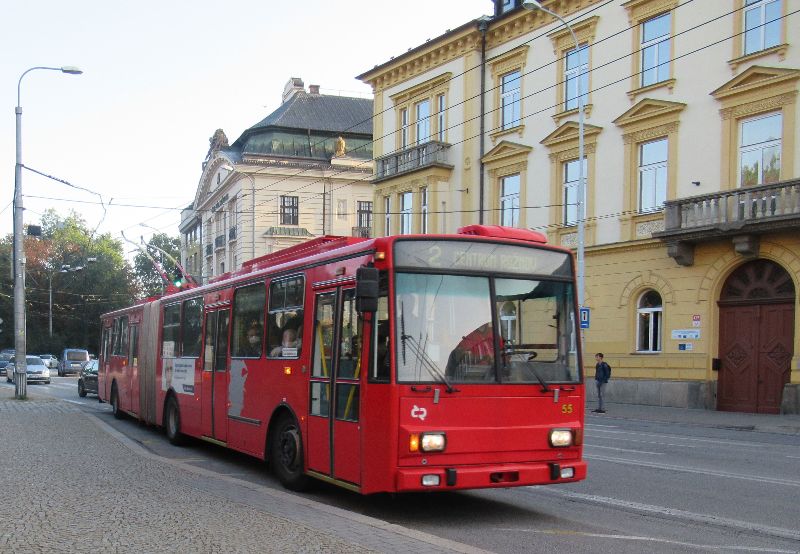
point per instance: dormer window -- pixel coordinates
(504, 6)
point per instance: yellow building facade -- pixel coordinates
(692, 196)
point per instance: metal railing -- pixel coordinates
(219, 242)
(734, 208)
(363, 232)
(232, 233)
(410, 159)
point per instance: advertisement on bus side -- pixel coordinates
(178, 373)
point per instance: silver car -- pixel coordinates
(37, 371)
(49, 360)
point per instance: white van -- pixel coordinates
(72, 360)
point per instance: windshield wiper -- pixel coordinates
(424, 359)
(539, 378)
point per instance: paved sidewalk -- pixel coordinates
(72, 483)
(788, 424)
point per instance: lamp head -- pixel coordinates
(71, 69)
(532, 5)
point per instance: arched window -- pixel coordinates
(648, 322)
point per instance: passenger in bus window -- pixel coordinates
(290, 342)
(252, 347)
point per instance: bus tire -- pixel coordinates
(172, 422)
(286, 454)
(119, 414)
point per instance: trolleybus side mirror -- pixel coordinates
(367, 289)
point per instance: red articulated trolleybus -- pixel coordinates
(392, 364)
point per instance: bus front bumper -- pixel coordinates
(490, 476)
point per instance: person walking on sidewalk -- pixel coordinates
(602, 373)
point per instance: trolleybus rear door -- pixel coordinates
(214, 397)
(333, 425)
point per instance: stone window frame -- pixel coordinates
(738, 56)
(639, 311)
(759, 90)
(504, 160)
(563, 146)
(504, 197)
(562, 44)
(513, 60)
(408, 99)
(405, 212)
(640, 11)
(648, 120)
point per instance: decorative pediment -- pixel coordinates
(568, 132)
(757, 78)
(649, 109)
(438, 82)
(584, 31)
(506, 151)
(208, 181)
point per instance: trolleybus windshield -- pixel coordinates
(472, 328)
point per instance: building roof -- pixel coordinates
(321, 112)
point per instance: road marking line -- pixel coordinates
(692, 439)
(792, 534)
(655, 442)
(624, 449)
(684, 469)
(647, 539)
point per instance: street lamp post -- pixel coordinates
(20, 371)
(536, 5)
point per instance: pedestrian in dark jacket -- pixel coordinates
(602, 373)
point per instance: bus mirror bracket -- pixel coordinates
(367, 289)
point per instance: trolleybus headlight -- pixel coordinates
(560, 438)
(433, 442)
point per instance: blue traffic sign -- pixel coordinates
(585, 317)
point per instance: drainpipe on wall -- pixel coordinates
(483, 25)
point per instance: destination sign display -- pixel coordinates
(458, 255)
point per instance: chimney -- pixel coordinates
(294, 85)
(313, 89)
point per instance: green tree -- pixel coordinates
(87, 274)
(150, 280)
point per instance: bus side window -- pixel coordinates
(381, 372)
(285, 319)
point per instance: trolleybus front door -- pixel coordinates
(214, 397)
(334, 445)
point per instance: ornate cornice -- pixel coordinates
(513, 59)
(584, 32)
(440, 82)
(572, 153)
(639, 10)
(464, 40)
(647, 134)
(758, 106)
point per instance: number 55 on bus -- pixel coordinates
(392, 364)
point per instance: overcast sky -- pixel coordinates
(160, 76)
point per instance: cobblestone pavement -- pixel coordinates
(71, 483)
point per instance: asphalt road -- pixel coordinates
(652, 487)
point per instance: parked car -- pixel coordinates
(87, 379)
(49, 360)
(4, 359)
(72, 360)
(36, 370)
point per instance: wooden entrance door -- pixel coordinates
(756, 338)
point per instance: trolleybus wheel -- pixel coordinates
(286, 454)
(115, 404)
(172, 422)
